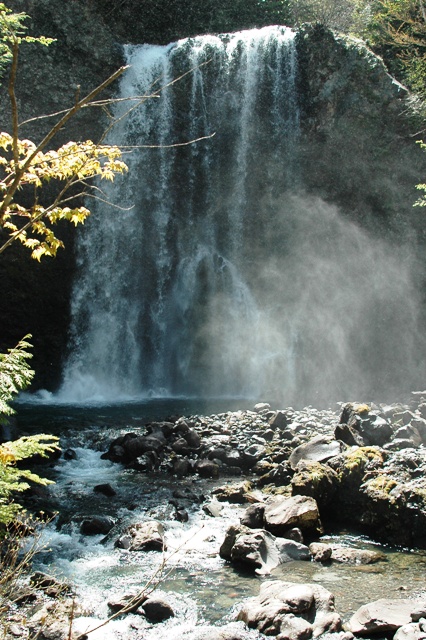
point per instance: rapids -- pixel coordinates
(202, 588)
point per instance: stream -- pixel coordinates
(199, 585)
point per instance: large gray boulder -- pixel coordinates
(383, 616)
(259, 549)
(291, 611)
(283, 513)
(143, 536)
(318, 449)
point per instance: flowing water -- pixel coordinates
(215, 273)
(202, 588)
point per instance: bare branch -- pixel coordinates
(94, 103)
(169, 146)
(13, 102)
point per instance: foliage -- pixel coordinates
(347, 16)
(27, 167)
(15, 376)
(12, 30)
(398, 32)
(12, 478)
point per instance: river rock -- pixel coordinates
(291, 611)
(213, 508)
(349, 555)
(279, 420)
(283, 513)
(207, 468)
(261, 406)
(233, 493)
(180, 446)
(317, 480)
(376, 430)
(143, 536)
(318, 449)
(106, 489)
(97, 525)
(193, 439)
(382, 616)
(252, 454)
(253, 516)
(157, 609)
(348, 435)
(260, 549)
(181, 467)
(320, 551)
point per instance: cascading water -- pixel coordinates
(217, 276)
(154, 277)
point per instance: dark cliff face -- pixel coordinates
(359, 148)
(356, 149)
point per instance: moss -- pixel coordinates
(381, 484)
(313, 472)
(361, 409)
(359, 457)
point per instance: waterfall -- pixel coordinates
(212, 273)
(153, 278)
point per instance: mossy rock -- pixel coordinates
(356, 460)
(316, 480)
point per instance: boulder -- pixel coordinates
(213, 508)
(157, 609)
(143, 536)
(180, 446)
(348, 435)
(252, 454)
(97, 525)
(233, 493)
(135, 447)
(106, 490)
(50, 585)
(253, 516)
(283, 513)
(351, 555)
(317, 480)
(207, 468)
(280, 475)
(259, 549)
(318, 449)
(291, 611)
(181, 467)
(382, 616)
(279, 420)
(261, 406)
(376, 430)
(193, 439)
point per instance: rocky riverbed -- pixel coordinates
(281, 479)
